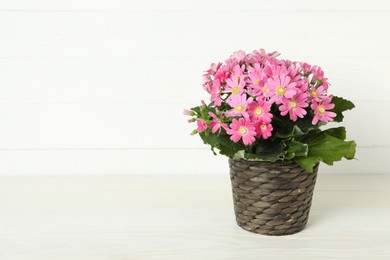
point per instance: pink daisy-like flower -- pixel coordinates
(215, 92)
(260, 111)
(242, 128)
(238, 55)
(239, 73)
(319, 75)
(239, 105)
(202, 126)
(235, 86)
(263, 129)
(320, 111)
(272, 70)
(294, 106)
(317, 93)
(307, 68)
(213, 69)
(280, 87)
(207, 83)
(217, 124)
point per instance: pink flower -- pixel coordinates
(242, 128)
(238, 73)
(201, 125)
(254, 79)
(207, 83)
(238, 55)
(294, 106)
(239, 105)
(222, 74)
(215, 92)
(260, 111)
(213, 69)
(307, 69)
(261, 56)
(235, 86)
(319, 75)
(320, 111)
(317, 93)
(272, 70)
(263, 129)
(187, 112)
(217, 124)
(280, 87)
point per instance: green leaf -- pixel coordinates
(307, 163)
(267, 150)
(196, 110)
(295, 131)
(295, 148)
(341, 105)
(222, 142)
(338, 132)
(326, 148)
(287, 128)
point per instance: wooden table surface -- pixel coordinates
(182, 217)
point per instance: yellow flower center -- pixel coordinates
(265, 90)
(239, 108)
(258, 111)
(243, 130)
(280, 90)
(313, 93)
(235, 90)
(256, 82)
(293, 104)
(263, 127)
(321, 109)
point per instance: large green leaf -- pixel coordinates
(326, 148)
(267, 150)
(295, 148)
(338, 132)
(222, 142)
(341, 105)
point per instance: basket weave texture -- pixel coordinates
(271, 198)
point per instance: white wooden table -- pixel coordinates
(182, 217)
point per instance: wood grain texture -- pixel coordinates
(182, 217)
(130, 126)
(125, 79)
(196, 6)
(157, 161)
(182, 34)
(78, 76)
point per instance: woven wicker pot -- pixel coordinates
(271, 198)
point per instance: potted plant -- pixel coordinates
(266, 115)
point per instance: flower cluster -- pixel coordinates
(248, 91)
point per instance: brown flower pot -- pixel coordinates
(271, 198)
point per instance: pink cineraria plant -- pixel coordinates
(258, 100)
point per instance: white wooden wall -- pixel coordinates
(98, 87)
